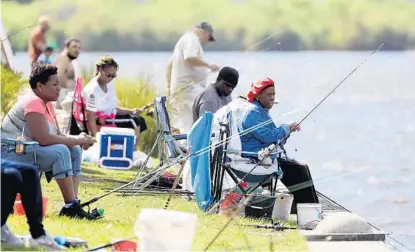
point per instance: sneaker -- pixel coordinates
(45, 241)
(8, 238)
(76, 211)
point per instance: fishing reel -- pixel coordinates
(97, 213)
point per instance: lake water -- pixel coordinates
(360, 143)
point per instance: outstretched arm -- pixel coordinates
(267, 133)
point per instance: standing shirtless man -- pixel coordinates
(66, 70)
(37, 40)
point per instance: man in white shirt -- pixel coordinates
(187, 72)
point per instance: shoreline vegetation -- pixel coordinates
(150, 25)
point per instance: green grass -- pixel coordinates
(298, 24)
(121, 214)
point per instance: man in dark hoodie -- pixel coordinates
(216, 95)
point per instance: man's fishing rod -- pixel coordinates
(273, 146)
(209, 73)
(19, 31)
(286, 137)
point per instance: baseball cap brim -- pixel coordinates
(212, 39)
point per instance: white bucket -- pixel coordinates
(165, 230)
(308, 213)
(282, 206)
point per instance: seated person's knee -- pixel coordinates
(62, 166)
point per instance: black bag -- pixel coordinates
(73, 125)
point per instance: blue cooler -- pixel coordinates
(116, 148)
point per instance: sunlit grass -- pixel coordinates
(121, 214)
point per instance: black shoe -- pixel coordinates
(76, 211)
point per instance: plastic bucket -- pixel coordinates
(308, 213)
(282, 206)
(19, 209)
(165, 230)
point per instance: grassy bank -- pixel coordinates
(156, 25)
(121, 214)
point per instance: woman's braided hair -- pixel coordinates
(105, 61)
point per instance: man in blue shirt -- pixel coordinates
(261, 98)
(260, 132)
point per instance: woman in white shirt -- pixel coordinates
(102, 103)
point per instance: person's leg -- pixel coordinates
(76, 157)
(31, 193)
(297, 178)
(11, 182)
(53, 157)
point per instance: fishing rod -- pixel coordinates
(370, 224)
(275, 226)
(267, 150)
(157, 171)
(209, 73)
(19, 31)
(110, 244)
(273, 146)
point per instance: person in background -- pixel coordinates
(37, 39)
(24, 179)
(102, 103)
(45, 58)
(187, 72)
(217, 94)
(66, 70)
(33, 118)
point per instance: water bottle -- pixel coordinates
(61, 241)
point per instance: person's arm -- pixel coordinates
(37, 41)
(267, 133)
(191, 54)
(168, 75)
(125, 111)
(38, 128)
(62, 66)
(91, 110)
(207, 106)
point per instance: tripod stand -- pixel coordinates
(169, 149)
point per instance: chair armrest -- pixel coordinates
(9, 141)
(180, 137)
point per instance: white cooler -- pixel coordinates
(116, 148)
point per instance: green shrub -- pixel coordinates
(135, 94)
(11, 82)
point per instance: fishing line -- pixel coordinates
(243, 133)
(19, 31)
(302, 120)
(298, 124)
(347, 210)
(209, 73)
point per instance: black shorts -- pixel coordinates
(129, 121)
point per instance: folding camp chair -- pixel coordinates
(228, 166)
(167, 143)
(29, 146)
